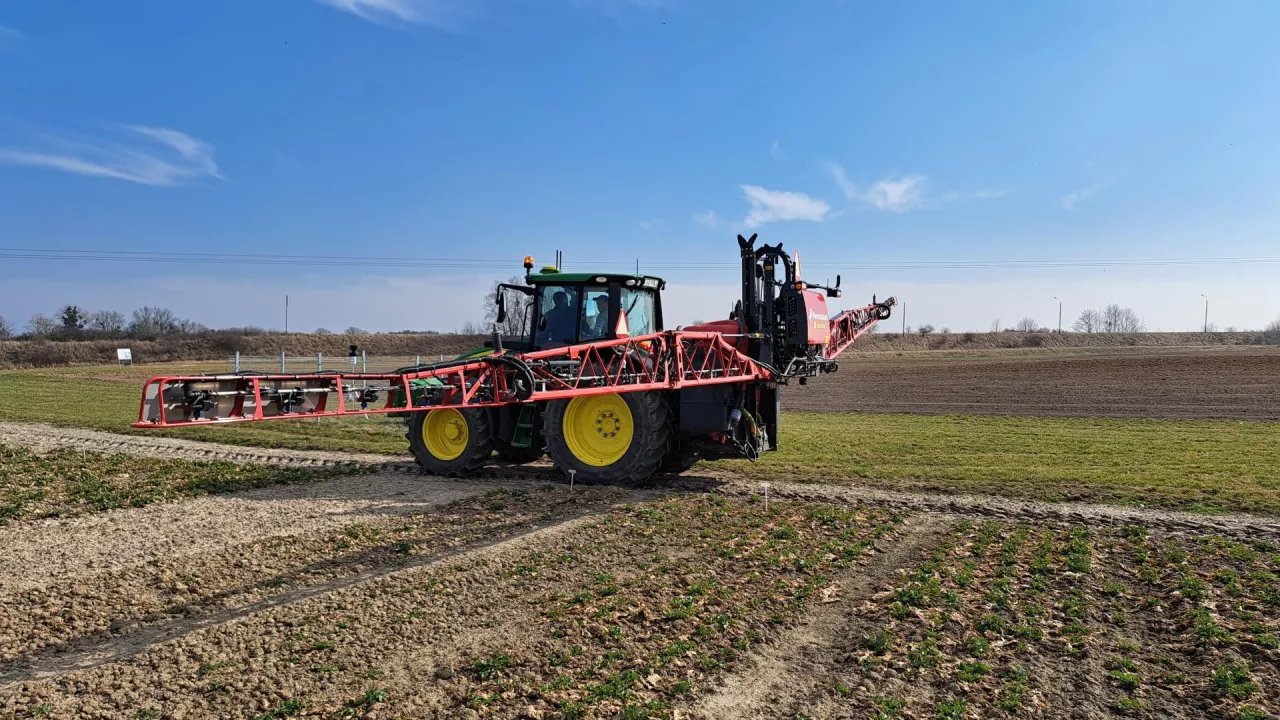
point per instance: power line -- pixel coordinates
(465, 263)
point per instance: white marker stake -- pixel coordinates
(571, 474)
(766, 496)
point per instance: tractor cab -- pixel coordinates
(573, 308)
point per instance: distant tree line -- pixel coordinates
(73, 322)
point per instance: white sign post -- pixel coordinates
(124, 355)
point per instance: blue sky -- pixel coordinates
(864, 133)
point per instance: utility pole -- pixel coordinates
(1206, 311)
(1055, 297)
(286, 314)
(904, 319)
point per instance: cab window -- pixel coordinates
(595, 320)
(638, 306)
(558, 310)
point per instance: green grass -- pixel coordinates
(1202, 466)
(69, 482)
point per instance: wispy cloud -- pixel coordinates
(836, 171)
(892, 194)
(1071, 199)
(444, 14)
(775, 151)
(652, 224)
(777, 205)
(152, 156)
(707, 219)
(955, 195)
(898, 195)
(10, 38)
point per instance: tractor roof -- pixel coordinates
(553, 277)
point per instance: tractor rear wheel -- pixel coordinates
(618, 438)
(450, 442)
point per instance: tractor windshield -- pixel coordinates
(637, 305)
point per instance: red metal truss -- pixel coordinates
(659, 361)
(849, 325)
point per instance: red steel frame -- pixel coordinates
(667, 360)
(660, 361)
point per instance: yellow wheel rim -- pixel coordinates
(445, 433)
(598, 429)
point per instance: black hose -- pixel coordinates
(523, 390)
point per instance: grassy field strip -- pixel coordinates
(1204, 466)
(66, 483)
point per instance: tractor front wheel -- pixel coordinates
(450, 442)
(609, 438)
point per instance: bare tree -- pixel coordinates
(42, 326)
(945, 331)
(1026, 324)
(190, 327)
(513, 325)
(5, 330)
(1090, 321)
(353, 330)
(109, 321)
(1116, 319)
(323, 331)
(924, 329)
(471, 328)
(995, 325)
(72, 318)
(1270, 335)
(153, 321)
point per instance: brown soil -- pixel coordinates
(1238, 384)
(399, 595)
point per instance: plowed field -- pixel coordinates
(1236, 384)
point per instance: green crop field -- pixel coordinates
(1203, 466)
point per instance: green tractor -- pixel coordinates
(605, 438)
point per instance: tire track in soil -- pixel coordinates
(704, 478)
(793, 674)
(1235, 526)
(95, 651)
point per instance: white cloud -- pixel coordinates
(707, 219)
(155, 156)
(776, 205)
(975, 195)
(775, 151)
(652, 224)
(1071, 199)
(438, 13)
(836, 171)
(898, 195)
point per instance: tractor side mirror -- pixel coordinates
(502, 306)
(837, 281)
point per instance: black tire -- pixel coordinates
(679, 458)
(478, 450)
(650, 442)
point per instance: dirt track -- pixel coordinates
(237, 605)
(1235, 383)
